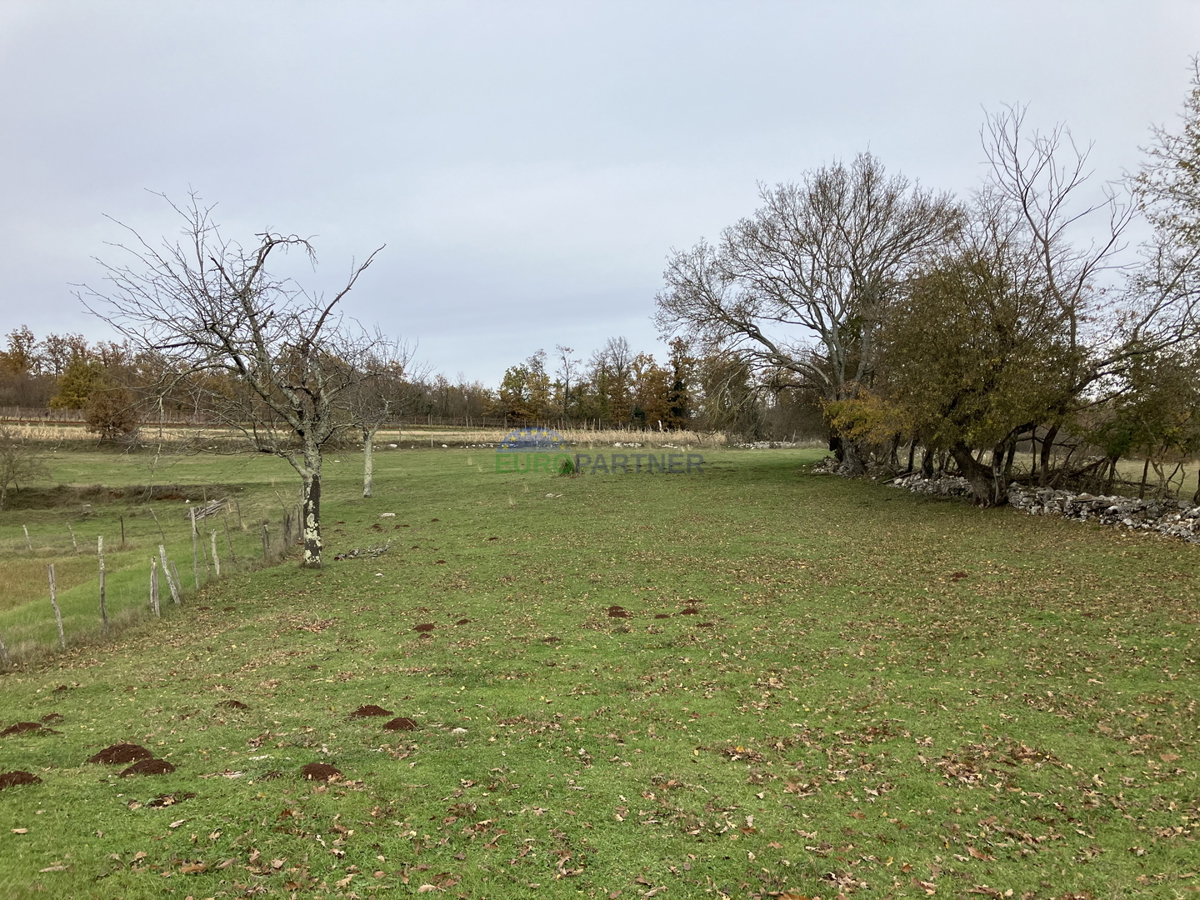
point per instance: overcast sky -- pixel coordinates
(529, 165)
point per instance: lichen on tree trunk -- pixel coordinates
(368, 460)
(312, 520)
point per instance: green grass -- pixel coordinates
(878, 695)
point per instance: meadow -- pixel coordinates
(748, 682)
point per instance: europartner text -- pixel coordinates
(614, 464)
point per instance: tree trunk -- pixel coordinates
(1047, 449)
(927, 463)
(368, 460)
(987, 486)
(912, 456)
(312, 518)
(852, 465)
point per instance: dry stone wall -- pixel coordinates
(1176, 518)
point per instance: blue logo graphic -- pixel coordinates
(532, 440)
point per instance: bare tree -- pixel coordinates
(389, 387)
(568, 376)
(798, 289)
(212, 305)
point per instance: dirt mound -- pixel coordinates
(662, 615)
(148, 767)
(365, 712)
(22, 727)
(169, 799)
(424, 626)
(12, 779)
(463, 622)
(120, 754)
(690, 611)
(400, 723)
(232, 704)
(320, 772)
(618, 612)
(51, 718)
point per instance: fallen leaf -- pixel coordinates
(192, 868)
(20, 831)
(177, 823)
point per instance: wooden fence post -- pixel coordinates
(28, 542)
(74, 543)
(195, 557)
(178, 581)
(154, 585)
(4, 660)
(229, 541)
(62, 640)
(162, 552)
(100, 555)
(122, 532)
(266, 541)
(216, 559)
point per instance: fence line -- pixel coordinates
(276, 547)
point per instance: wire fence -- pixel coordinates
(116, 579)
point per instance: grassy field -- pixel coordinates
(750, 682)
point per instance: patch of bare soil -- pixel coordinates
(462, 622)
(689, 611)
(121, 754)
(148, 767)
(662, 615)
(400, 723)
(365, 712)
(320, 772)
(618, 612)
(13, 779)
(423, 627)
(25, 727)
(232, 704)
(51, 718)
(170, 799)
